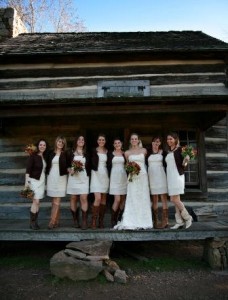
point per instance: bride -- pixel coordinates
(137, 212)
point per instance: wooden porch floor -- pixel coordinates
(18, 230)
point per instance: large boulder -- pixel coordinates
(65, 266)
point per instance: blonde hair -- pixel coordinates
(139, 143)
(64, 142)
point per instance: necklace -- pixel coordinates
(79, 152)
(172, 150)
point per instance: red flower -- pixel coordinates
(77, 166)
(132, 168)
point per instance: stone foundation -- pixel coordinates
(216, 253)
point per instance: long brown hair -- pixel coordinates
(175, 136)
(60, 137)
(76, 140)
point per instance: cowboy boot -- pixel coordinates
(155, 218)
(165, 221)
(119, 217)
(36, 221)
(179, 221)
(84, 220)
(75, 215)
(33, 221)
(187, 218)
(95, 212)
(101, 215)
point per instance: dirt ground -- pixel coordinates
(21, 281)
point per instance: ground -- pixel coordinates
(163, 271)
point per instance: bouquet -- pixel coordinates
(132, 168)
(77, 166)
(27, 193)
(30, 149)
(188, 151)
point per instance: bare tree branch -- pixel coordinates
(47, 15)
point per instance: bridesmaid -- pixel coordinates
(99, 181)
(176, 180)
(78, 183)
(57, 171)
(35, 179)
(118, 180)
(158, 182)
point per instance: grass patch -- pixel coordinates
(161, 264)
(27, 254)
(24, 262)
(38, 255)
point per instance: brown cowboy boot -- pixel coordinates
(165, 219)
(84, 220)
(155, 218)
(33, 217)
(119, 217)
(36, 222)
(75, 215)
(95, 212)
(101, 215)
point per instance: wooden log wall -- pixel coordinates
(216, 144)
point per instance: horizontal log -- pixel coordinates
(218, 196)
(215, 164)
(12, 179)
(156, 79)
(216, 132)
(12, 162)
(217, 180)
(216, 146)
(223, 122)
(111, 71)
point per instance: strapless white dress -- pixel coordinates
(137, 213)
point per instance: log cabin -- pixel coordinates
(116, 83)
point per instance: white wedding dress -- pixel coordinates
(137, 212)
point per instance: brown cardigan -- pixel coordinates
(179, 160)
(34, 166)
(64, 162)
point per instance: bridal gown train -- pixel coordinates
(137, 212)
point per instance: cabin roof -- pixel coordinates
(86, 42)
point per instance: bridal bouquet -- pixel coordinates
(77, 166)
(27, 193)
(188, 151)
(30, 149)
(132, 168)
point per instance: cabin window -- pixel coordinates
(124, 88)
(192, 171)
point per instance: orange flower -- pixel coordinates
(30, 149)
(27, 193)
(190, 151)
